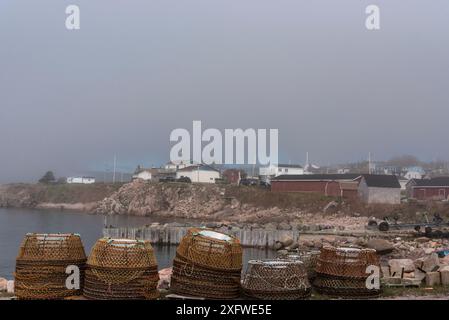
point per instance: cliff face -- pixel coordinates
(171, 199)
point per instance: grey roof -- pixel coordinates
(202, 167)
(381, 180)
(316, 177)
(289, 165)
(434, 182)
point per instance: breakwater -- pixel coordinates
(167, 234)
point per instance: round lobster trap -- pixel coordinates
(309, 259)
(276, 280)
(344, 272)
(41, 266)
(121, 269)
(207, 264)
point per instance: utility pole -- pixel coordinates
(306, 166)
(254, 166)
(369, 162)
(115, 167)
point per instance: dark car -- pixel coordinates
(264, 184)
(184, 180)
(249, 182)
(167, 179)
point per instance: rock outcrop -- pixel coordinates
(171, 199)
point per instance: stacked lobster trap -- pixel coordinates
(344, 272)
(121, 269)
(42, 263)
(276, 280)
(308, 258)
(207, 264)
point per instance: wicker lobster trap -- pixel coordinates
(121, 269)
(207, 264)
(309, 259)
(42, 262)
(343, 272)
(276, 280)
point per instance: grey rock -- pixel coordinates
(382, 246)
(396, 265)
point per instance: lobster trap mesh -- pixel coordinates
(121, 269)
(42, 262)
(211, 249)
(207, 264)
(276, 280)
(309, 259)
(344, 272)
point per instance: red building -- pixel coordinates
(428, 189)
(337, 185)
(233, 176)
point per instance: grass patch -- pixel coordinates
(264, 198)
(73, 193)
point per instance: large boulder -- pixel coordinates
(396, 265)
(430, 263)
(286, 241)
(380, 245)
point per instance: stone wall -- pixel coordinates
(262, 238)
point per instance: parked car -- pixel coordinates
(249, 182)
(167, 179)
(184, 180)
(264, 184)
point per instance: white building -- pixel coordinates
(176, 165)
(144, 174)
(274, 170)
(199, 173)
(81, 180)
(414, 173)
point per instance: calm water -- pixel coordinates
(15, 223)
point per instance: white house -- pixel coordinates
(81, 180)
(144, 174)
(199, 173)
(414, 173)
(176, 165)
(274, 170)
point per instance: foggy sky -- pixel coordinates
(70, 100)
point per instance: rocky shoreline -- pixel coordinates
(172, 200)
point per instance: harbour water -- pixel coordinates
(15, 223)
